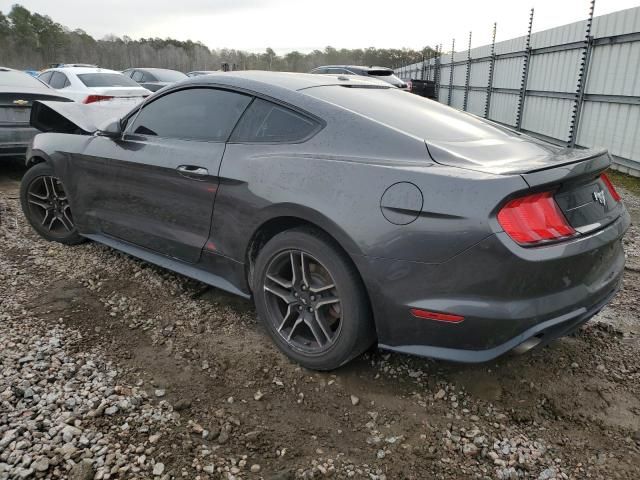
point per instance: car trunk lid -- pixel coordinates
(74, 117)
(15, 107)
(580, 189)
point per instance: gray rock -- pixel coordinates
(82, 471)
(548, 474)
(470, 449)
(41, 464)
(158, 469)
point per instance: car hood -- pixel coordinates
(74, 117)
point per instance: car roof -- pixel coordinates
(80, 70)
(153, 69)
(361, 67)
(263, 80)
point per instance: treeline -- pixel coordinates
(33, 41)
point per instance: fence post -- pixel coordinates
(525, 75)
(468, 77)
(492, 64)
(437, 71)
(582, 81)
(453, 50)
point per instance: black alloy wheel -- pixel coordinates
(46, 205)
(303, 301)
(311, 299)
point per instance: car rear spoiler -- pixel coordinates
(74, 118)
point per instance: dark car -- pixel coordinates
(18, 90)
(154, 78)
(380, 73)
(424, 88)
(350, 211)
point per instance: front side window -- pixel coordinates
(204, 114)
(270, 123)
(137, 76)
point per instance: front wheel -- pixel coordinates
(311, 300)
(46, 206)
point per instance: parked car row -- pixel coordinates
(350, 215)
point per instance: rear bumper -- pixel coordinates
(15, 140)
(506, 293)
(543, 333)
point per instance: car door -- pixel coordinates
(155, 186)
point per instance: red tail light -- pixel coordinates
(96, 98)
(610, 187)
(534, 218)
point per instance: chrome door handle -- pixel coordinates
(192, 170)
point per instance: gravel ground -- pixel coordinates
(113, 368)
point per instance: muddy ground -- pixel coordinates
(231, 406)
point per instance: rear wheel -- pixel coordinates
(311, 300)
(46, 205)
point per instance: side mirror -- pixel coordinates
(112, 129)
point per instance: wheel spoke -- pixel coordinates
(316, 331)
(323, 325)
(66, 211)
(51, 186)
(280, 292)
(66, 222)
(293, 328)
(46, 218)
(280, 281)
(327, 301)
(53, 220)
(304, 269)
(287, 317)
(40, 204)
(324, 288)
(39, 197)
(295, 269)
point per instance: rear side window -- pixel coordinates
(45, 77)
(106, 80)
(270, 123)
(59, 80)
(202, 114)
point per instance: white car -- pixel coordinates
(94, 85)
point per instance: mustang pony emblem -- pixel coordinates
(600, 198)
(22, 103)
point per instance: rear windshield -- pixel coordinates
(409, 113)
(168, 75)
(106, 80)
(12, 78)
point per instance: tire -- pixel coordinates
(46, 206)
(312, 316)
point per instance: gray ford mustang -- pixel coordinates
(350, 211)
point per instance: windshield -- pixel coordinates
(106, 80)
(168, 75)
(12, 78)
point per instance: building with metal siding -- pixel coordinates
(582, 84)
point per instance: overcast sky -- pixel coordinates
(304, 25)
